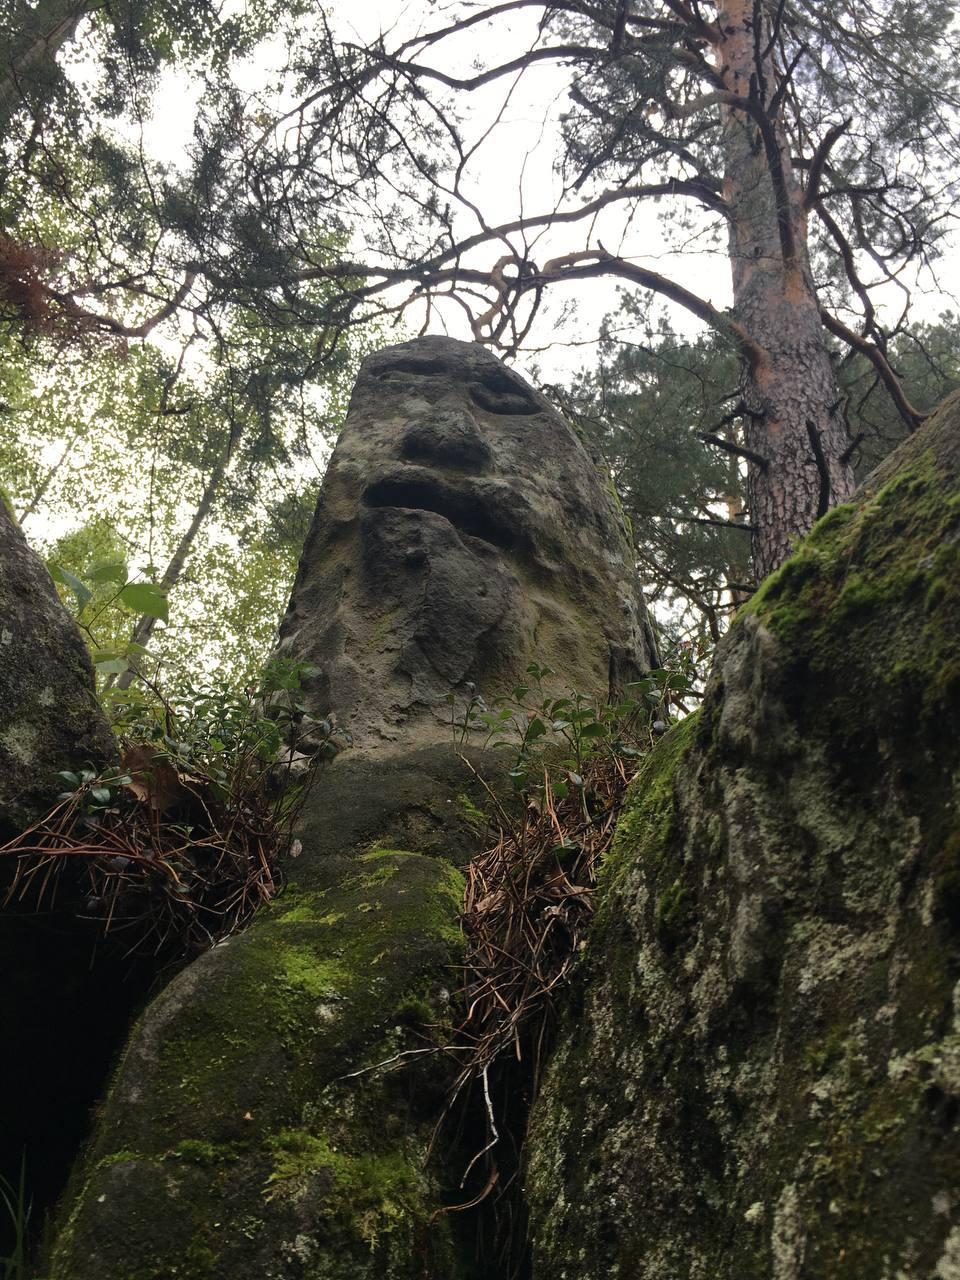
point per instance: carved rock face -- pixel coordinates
(462, 532)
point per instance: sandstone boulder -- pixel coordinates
(760, 1074)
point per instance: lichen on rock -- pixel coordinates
(760, 1073)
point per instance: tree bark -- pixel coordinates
(793, 417)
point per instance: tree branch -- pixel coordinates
(110, 324)
(819, 161)
(416, 70)
(739, 450)
(598, 262)
(716, 524)
(816, 444)
(911, 416)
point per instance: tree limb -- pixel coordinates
(819, 161)
(738, 450)
(598, 262)
(911, 416)
(110, 324)
(816, 444)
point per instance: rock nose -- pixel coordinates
(446, 438)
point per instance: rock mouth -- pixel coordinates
(467, 512)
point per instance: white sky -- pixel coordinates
(511, 174)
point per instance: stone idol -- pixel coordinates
(462, 531)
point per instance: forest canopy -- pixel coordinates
(180, 336)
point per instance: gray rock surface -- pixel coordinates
(462, 532)
(49, 715)
(760, 1074)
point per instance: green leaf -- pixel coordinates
(111, 571)
(112, 666)
(101, 794)
(144, 597)
(79, 589)
(594, 730)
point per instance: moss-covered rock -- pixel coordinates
(247, 1133)
(251, 1131)
(49, 715)
(761, 1074)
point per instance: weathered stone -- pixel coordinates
(237, 1142)
(49, 715)
(462, 532)
(760, 1076)
(249, 1134)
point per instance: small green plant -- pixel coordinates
(233, 736)
(175, 848)
(103, 595)
(16, 1206)
(554, 737)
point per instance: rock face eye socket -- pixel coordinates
(497, 392)
(494, 390)
(422, 366)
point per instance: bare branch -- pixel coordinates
(816, 444)
(598, 262)
(738, 450)
(110, 324)
(818, 163)
(911, 416)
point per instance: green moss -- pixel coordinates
(760, 1072)
(471, 813)
(254, 1073)
(302, 967)
(673, 913)
(371, 1193)
(118, 1157)
(893, 554)
(415, 1012)
(644, 828)
(825, 1051)
(196, 1151)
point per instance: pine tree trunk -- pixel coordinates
(793, 414)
